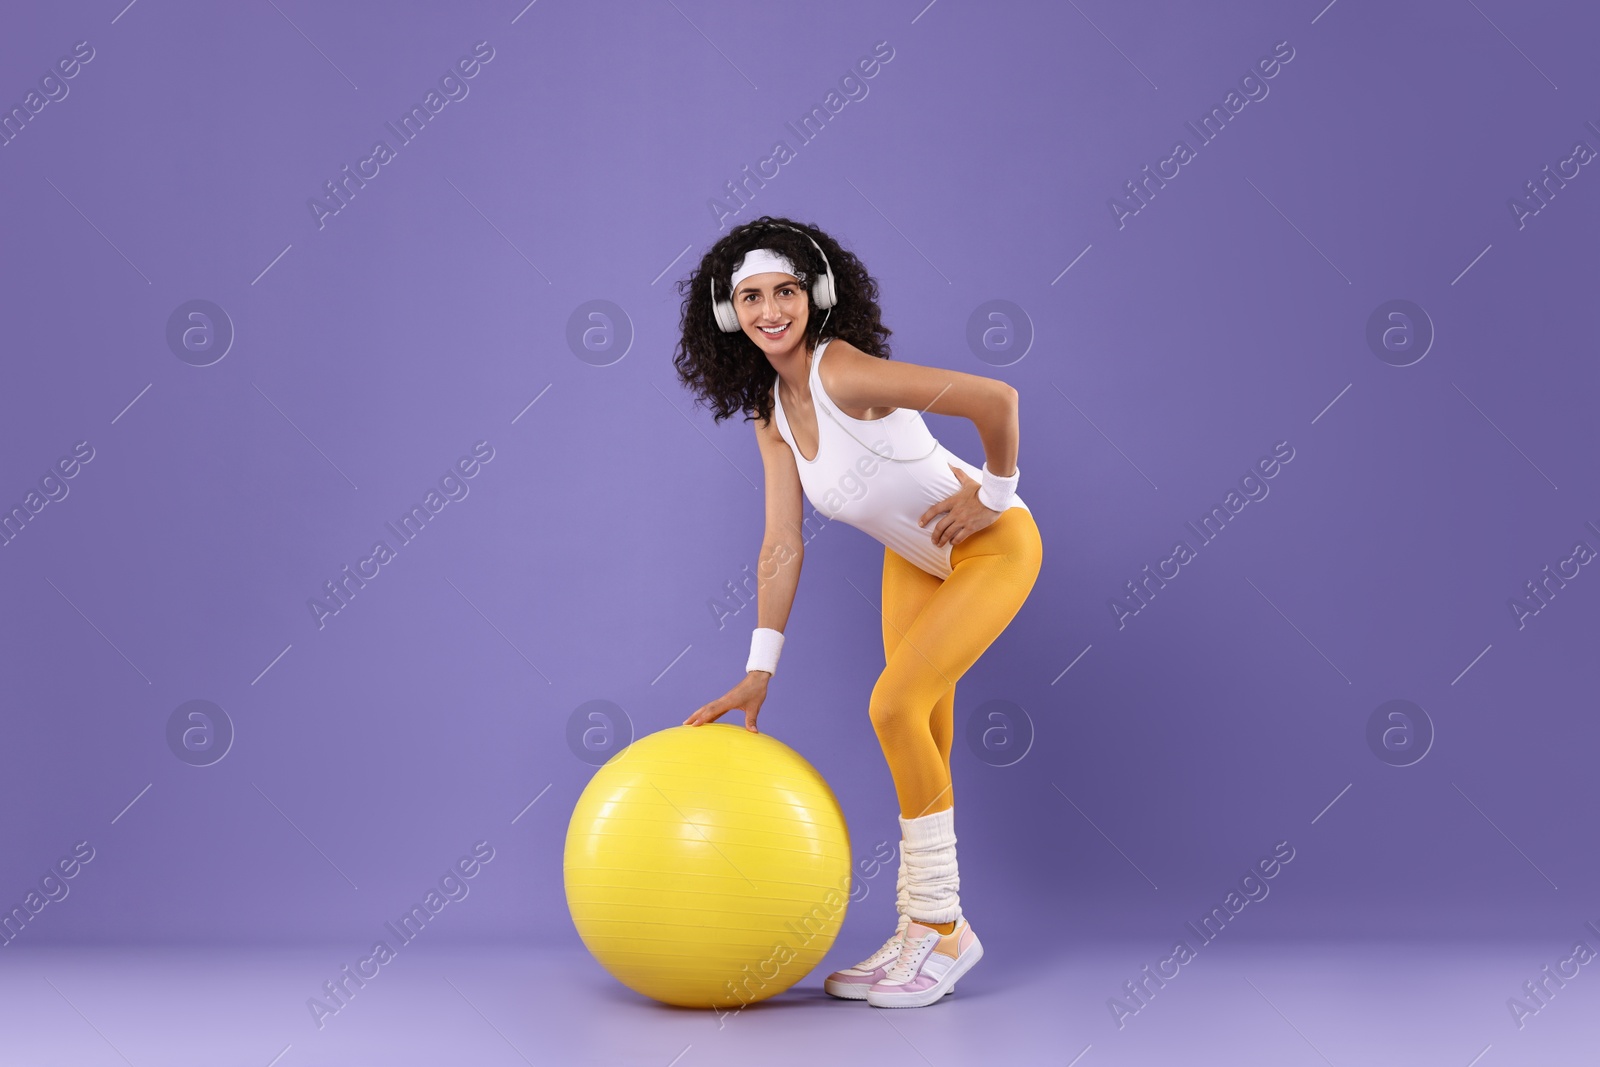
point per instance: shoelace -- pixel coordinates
(891, 950)
(911, 954)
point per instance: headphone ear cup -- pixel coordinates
(722, 311)
(727, 318)
(822, 291)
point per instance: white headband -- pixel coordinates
(762, 261)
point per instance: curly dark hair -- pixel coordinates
(730, 373)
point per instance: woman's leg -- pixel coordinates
(993, 571)
(906, 588)
(991, 576)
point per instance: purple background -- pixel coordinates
(431, 312)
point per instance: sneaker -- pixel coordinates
(852, 982)
(927, 968)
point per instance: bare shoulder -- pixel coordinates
(860, 381)
(841, 351)
(845, 366)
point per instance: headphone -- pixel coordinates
(823, 291)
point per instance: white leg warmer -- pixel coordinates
(930, 854)
(902, 893)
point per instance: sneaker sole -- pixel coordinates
(856, 991)
(928, 996)
(852, 991)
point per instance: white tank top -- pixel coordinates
(879, 475)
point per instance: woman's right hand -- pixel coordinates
(747, 695)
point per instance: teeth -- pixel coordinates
(778, 329)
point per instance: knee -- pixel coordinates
(895, 706)
(885, 711)
(889, 708)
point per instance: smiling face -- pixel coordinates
(772, 302)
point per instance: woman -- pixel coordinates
(961, 550)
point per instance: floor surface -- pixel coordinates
(1277, 1003)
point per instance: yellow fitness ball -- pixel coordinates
(707, 866)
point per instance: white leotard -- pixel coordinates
(851, 481)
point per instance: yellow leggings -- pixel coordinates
(933, 630)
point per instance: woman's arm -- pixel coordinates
(777, 576)
(857, 380)
(783, 543)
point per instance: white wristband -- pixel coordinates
(765, 644)
(996, 492)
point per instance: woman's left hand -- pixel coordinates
(964, 514)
